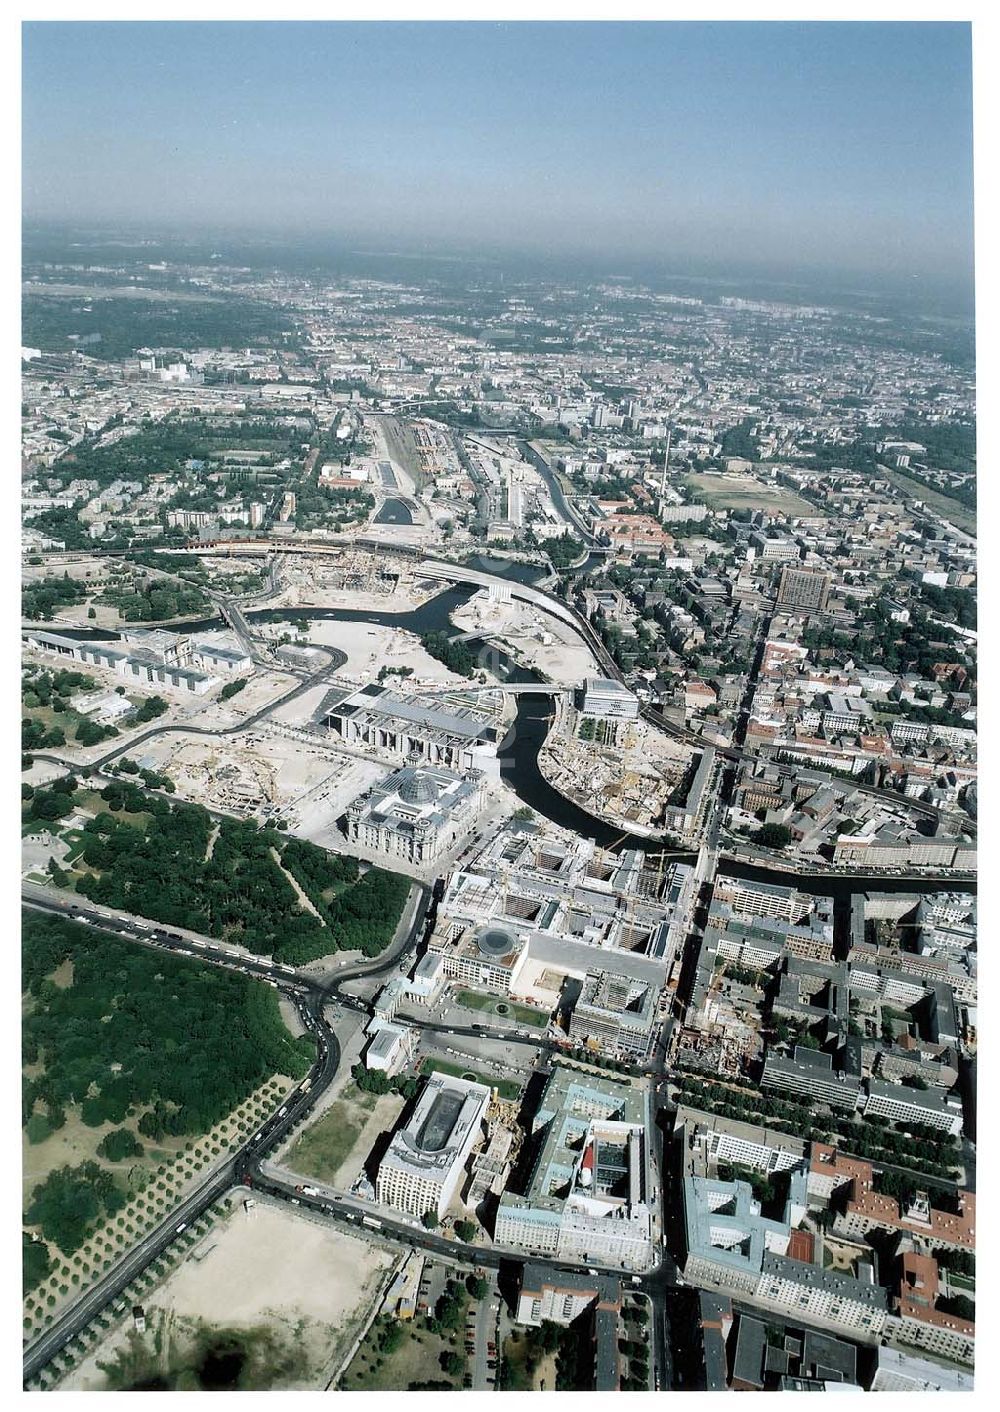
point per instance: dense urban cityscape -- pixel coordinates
(499, 692)
(547, 712)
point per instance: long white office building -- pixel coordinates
(909, 1105)
(139, 665)
(412, 727)
(425, 1162)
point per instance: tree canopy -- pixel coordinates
(138, 1029)
(242, 892)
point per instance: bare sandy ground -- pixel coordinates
(370, 647)
(269, 1266)
(565, 659)
(307, 783)
(300, 710)
(42, 771)
(307, 585)
(264, 686)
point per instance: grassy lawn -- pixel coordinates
(518, 1379)
(29, 825)
(416, 1360)
(492, 1005)
(76, 839)
(506, 1088)
(75, 1142)
(45, 716)
(524, 1016)
(472, 1000)
(89, 801)
(329, 893)
(321, 1150)
(515, 1353)
(952, 510)
(721, 493)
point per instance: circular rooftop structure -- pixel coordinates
(418, 789)
(496, 941)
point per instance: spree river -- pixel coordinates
(519, 767)
(394, 512)
(519, 751)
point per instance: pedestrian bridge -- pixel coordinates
(541, 688)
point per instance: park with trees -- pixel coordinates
(241, 890)
(164, 1043)
(40, 600)
(455, 655)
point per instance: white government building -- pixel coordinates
(425, 1161)
(416, 813)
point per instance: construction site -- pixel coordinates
(544, 644)
(625, 772)
(272, 770)
(350, 578)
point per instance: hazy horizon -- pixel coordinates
(787, 149)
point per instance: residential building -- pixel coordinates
(858, 1306)
(559, 1297)
(899, 1370)
(803, 590)
(749, 898)
(920, 1322)
(726, 1236)
(741, 1144)
(862, 1208)
(774, 548)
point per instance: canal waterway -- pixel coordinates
(394, 512)
(519, 753)
(840, 888)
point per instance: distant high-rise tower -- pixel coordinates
(666, 461)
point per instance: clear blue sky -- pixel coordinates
(837, 145)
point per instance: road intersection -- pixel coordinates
(312, 996)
